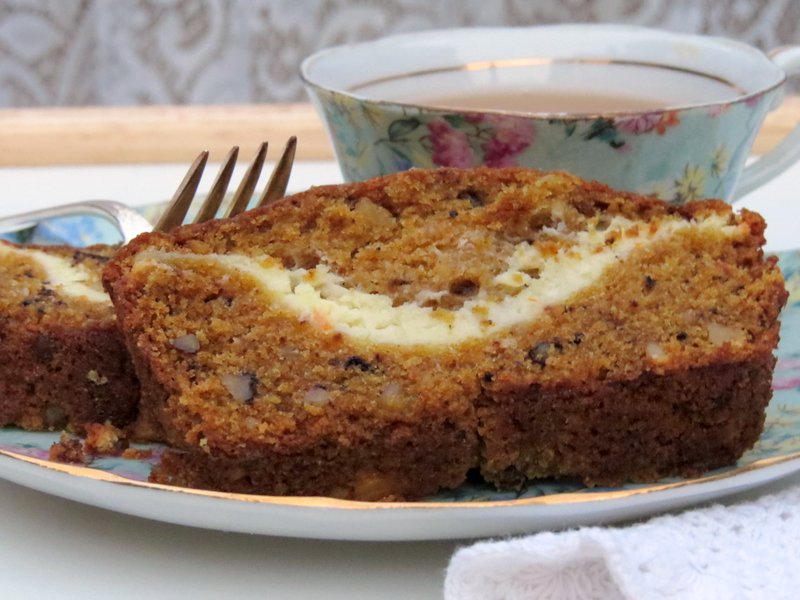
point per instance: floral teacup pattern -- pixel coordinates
(679, 155)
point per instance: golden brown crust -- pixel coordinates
(396, 462)
(693, 306)
(607, 433)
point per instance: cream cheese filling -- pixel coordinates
(534, 282)
(61, 275)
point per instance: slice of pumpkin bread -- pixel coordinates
(63, 362)
(378, 340)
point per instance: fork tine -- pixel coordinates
(179, 205)
(217, 193)
(276, 188)
(245, 190)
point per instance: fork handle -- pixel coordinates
(129, 222)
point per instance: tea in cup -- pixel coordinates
(643, 110)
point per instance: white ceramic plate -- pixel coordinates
(470, 511)
(325, 518)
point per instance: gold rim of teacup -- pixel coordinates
(353, 91)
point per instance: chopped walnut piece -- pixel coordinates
(655, 352)
(719, 334)
(186, 343)
(96, 378)
(241, 387)
(317, 395)
(377, 216)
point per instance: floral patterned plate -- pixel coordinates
(469, 511)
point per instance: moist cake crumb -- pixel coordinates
(104, 439)
(69, 449)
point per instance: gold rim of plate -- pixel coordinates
(326, 502)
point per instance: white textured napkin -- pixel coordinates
(749, 550)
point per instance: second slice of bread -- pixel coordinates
(63, 362)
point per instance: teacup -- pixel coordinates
(643, 110)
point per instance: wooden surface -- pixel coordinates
(155, 134)
(122, 135)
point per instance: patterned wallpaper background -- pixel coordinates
(125, 52)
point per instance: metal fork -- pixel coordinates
(275, 189)
(130, 223)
